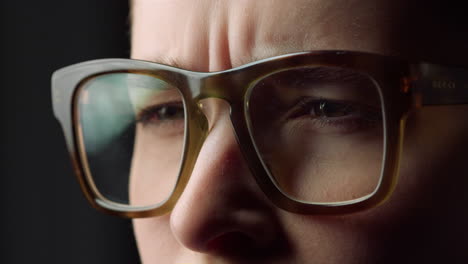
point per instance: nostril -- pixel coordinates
(233, 244)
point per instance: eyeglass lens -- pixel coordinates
(133, 135)
(319, 132)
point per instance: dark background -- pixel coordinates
(45, 218)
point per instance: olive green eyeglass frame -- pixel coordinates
(402, 86)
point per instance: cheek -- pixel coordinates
(156, 243)
(155, 167)
(348, 239)
(330, 169)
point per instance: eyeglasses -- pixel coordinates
(320, 131)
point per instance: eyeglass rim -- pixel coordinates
(387, 72)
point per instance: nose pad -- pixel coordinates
(214, 109)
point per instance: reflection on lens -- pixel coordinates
(319, 132)
(132, 129)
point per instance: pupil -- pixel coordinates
(168, 112)
(328, 109)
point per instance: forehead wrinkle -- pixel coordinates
(284, 28)
(237, 35)
(213, 35)
(194, 46)
(281, 29)
(218, 37)
(241, 33)
(170, 32)
(324, 25)
(168, 61)
(251, 34)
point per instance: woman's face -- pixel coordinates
(223, 216)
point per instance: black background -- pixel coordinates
(45, 218)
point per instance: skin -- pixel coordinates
(223, 216)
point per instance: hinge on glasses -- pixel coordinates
(410, 85)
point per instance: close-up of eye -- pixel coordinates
(161, 114)
(342, 116)
(324, 108)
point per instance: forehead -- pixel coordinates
(208, 35)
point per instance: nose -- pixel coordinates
(222, 210)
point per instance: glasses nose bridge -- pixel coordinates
(224, 86)
(227, 87)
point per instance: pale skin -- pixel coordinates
(223, 216)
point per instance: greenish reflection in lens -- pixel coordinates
(319, 132)
(132, 132)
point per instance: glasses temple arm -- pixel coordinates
(440, 85)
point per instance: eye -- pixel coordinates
(325, 108)
(334, 116)
(161, 113)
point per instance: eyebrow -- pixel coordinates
(168, 61)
